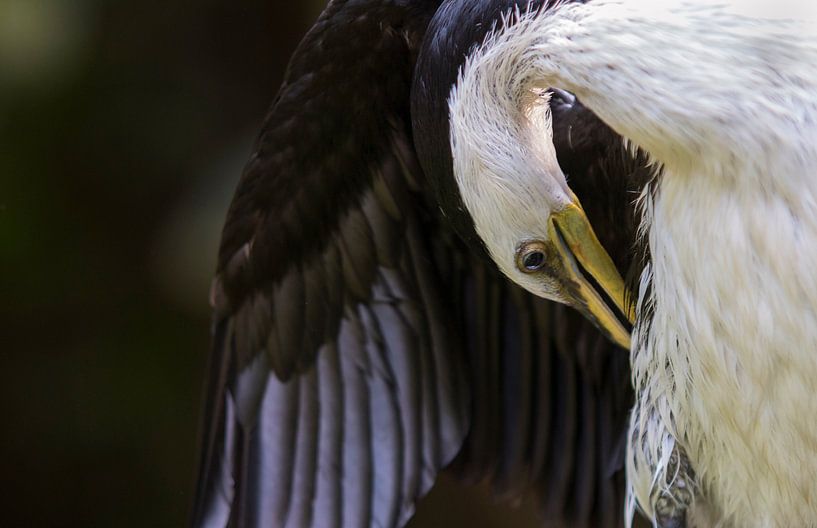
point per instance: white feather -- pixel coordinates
(724, 95)
(505, 163)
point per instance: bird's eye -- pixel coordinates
(534, 260)
(531, 257)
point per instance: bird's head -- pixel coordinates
(531, 222)
(486, 145)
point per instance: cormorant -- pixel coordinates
(364, 340)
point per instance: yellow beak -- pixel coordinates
(582, 255)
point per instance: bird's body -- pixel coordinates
(363, 341)
(725, 348)
(727, 351)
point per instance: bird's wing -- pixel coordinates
(335, 394)
(350, 324)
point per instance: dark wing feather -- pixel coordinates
(334, 396)
(353, 426)
(551, 397)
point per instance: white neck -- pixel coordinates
(664, 75)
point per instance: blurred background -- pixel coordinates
(124, 126)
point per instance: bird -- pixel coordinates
(364, 337)
(722, 97)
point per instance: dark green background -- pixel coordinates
(124, 125)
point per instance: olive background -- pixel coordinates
(124, 125)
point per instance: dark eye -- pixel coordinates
(532, 257)
(534, 260)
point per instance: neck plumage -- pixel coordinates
(700, 86)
